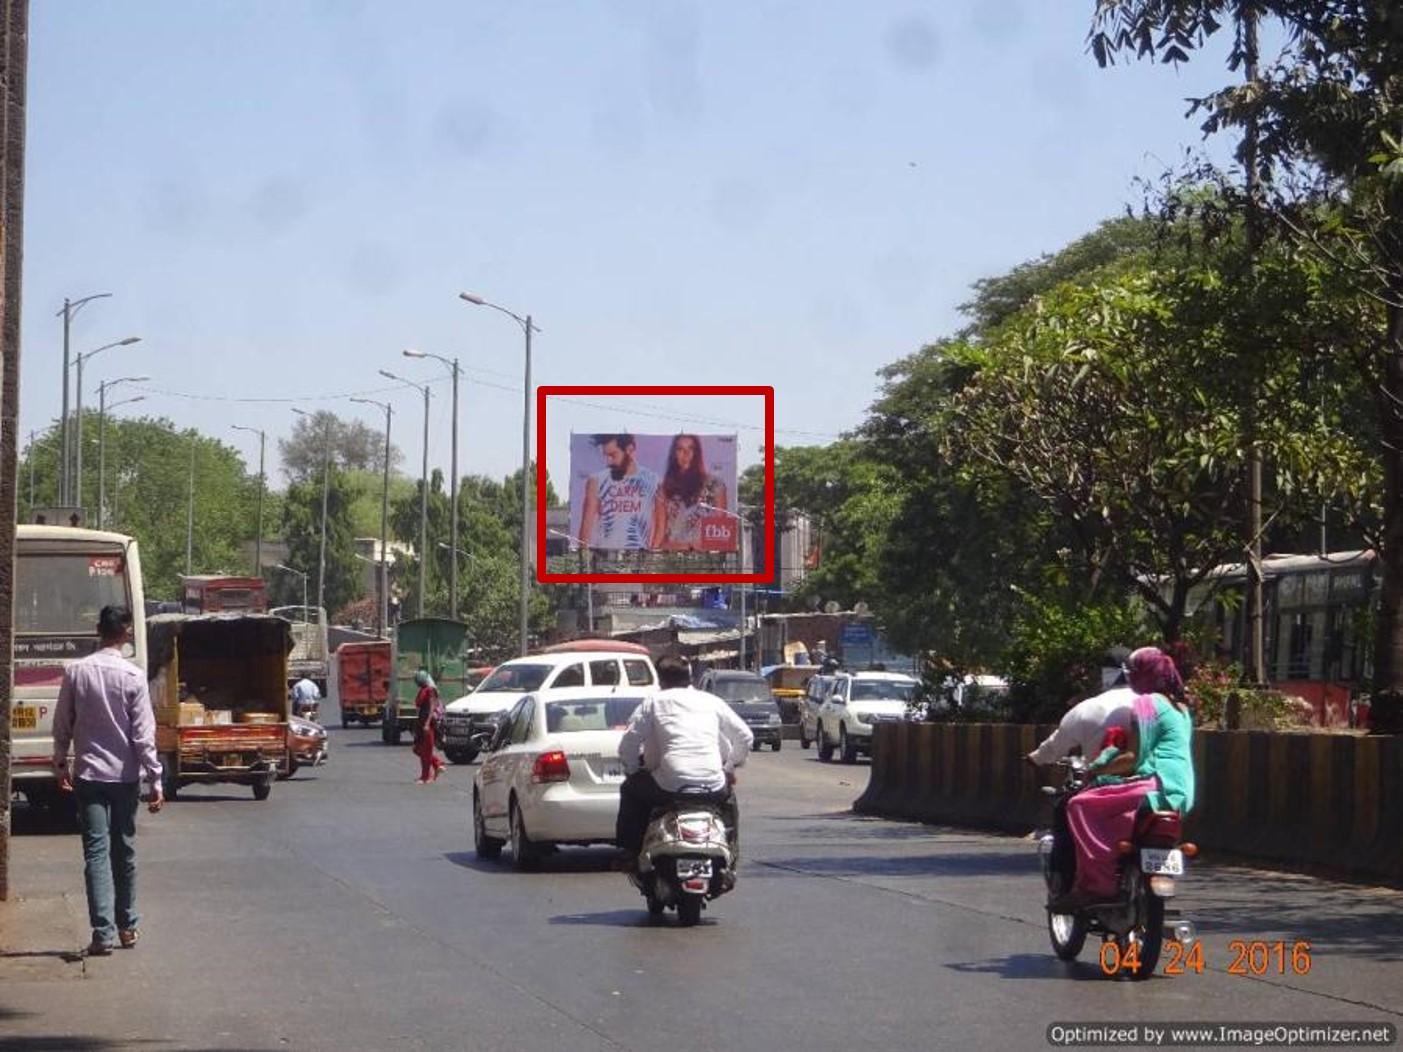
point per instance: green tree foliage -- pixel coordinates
(354, 445)
(148, 465)
(302, 523)
(1326, 110)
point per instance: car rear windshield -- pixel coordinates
(516, 679)
(564, 717)
(882, 690)
(742, 690)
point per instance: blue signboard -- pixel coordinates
(856, 634)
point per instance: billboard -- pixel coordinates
(635, 492)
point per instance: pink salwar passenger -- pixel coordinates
(1158, 762)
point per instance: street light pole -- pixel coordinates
(70, 308)
(528, 328)
(740, 530)
(78, 414)
(452, 483)
(326, 480)
(302, 575)
(190, 512)
(102, 438)
(262, 486)
(424, 490)
(382, 610)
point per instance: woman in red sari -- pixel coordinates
(431, 765)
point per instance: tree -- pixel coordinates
(1328, 110)
(354, 445)
(302, 525)
(1118, 404)
(148, 494)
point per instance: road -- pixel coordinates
(348, 912)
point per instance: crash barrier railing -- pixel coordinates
(1333, 801)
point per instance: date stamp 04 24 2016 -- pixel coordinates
(1248, 957)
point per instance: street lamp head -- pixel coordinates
(132, 380)
(410, 352)
(389, 375)
(470, 298)
(129, 341)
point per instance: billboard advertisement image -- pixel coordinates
(634, 492)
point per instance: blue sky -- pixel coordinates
(283, 194)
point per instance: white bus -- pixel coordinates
(63, 578)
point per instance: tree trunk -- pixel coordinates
(1386, 703)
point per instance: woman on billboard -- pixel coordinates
(688, 495)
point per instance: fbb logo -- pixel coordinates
(718, 535)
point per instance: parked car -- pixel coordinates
(306, 745)
(605, 671)
(751, 697)
(815, 692)
(550, 773)
(856, 701)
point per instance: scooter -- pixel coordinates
(686, 860)
(1132, 924)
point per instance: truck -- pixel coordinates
(310, 657)
(440, 647)
(220, 593)
(218, 686)
(363, 680)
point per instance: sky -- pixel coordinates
(283, 195)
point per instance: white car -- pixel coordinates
(857, 700)
(553, 774)
(814, 693)
(604, 670)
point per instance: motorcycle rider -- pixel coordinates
(690, 743)
(305, 698)
(1085, 722)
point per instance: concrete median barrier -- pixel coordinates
(1314, 799)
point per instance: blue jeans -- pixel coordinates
(107, 819)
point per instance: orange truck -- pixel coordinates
(363, 681)
(219, 691)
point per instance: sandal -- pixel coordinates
(128, 938)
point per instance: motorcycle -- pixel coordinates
(1132, 923)
(686, 860)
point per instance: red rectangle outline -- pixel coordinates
(763, 576)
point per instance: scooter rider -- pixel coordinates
(691, 742)
(305, 697)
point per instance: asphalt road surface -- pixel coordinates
(348, 912)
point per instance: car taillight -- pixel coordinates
(551, 767)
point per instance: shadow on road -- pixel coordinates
(562, 860)
(980, 864)
(634, 918)
(43, 821)
(1033, 966)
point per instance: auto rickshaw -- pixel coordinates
(219, 692)
(787, 684)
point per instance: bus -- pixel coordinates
(63, 577)
(218, 593)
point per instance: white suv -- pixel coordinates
(854, 703)
(476, 713)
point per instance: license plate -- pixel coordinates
(693, 867)
(232, 759)
(24, 718)
(1158, 860)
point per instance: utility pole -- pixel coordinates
(14, 54)
(1256, 629)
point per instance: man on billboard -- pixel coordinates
(619, 500)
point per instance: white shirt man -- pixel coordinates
(1085, 724)
(304, 690)
(690, 741)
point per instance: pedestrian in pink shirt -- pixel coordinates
(104, 711)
